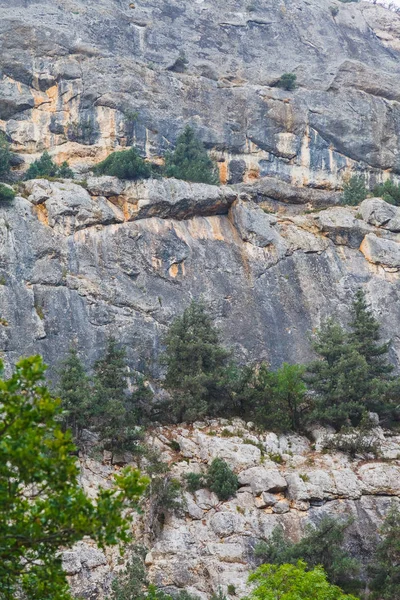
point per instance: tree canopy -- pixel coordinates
(190, 160)
(42, 506)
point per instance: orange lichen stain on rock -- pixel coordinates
(174, 270)
(42, 213)
(215, 223)
(223, 172)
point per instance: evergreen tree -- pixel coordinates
(339, 380)
(113, 408)
(323, 544)
(354, 191)
(75, 393)
(190, 161)
(366, 335)
(221, 479)
(7, 194)
(196, 366)
(385, 570)
(46, 167)
(5, 156)
(126, 164)
(389, 191)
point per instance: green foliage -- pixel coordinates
(5, 156)
(355, 441)
(293, 582)
(126, 164)
(221, 479)
(190, 161)
(131, 583)
(46, 167)
(7, 194)
(334, 10)
(231, 590)
(385, 570)
(275, 399)
(75, 393)
(196, 366)
(287, 81)
(195, 481)
(354, 191)
(321, 545)
(389, 191)
(42, 505)
(114, 410)
(353, 375)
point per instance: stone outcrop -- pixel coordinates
(78, 264)
(283, 481)
(83, 78)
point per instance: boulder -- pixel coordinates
(380, 251)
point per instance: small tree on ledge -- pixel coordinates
(190, 160)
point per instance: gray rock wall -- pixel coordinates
(84, 76)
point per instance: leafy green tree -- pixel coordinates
(46, 167)
(113, 408)
(354, 191)
(42, 505)
(5, 156)
(190, 161)
(196, 366)
(7, 194)
(126, 164)
(385, 570)
(339, 380)
(287, 81)
(75, 392)
(293, 582)
(221, 479)
(276, 399)
(389, 191)
(322, 544)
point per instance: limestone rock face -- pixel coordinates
(209, 544)
(82, 78)
(81, 263)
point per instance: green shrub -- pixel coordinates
(231, 590)
(287, 81)
(334, 10)
(354, 191)
(385, 570)
(195, 481)
(174, 445)
(7, 194)
(126, 164)
(190, 161)
(4, 156)
(221, 479)
(46, 167)
(389, 191)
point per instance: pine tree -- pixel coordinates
(113, 408)
(366, 335)
(354, 191)
(339, 380)
(75, 393)
(190, 160)
(196, 366)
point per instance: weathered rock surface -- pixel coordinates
(81, 264)
(210, 544)
(84, 77)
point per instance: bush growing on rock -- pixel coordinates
(46, 167)
(389, 191)
(75, 393)
(7, 194)
(126, 164)
(354, 191)
(221, 479)
(385, 570)
(287, 81)
(5, 156)
(190, 161)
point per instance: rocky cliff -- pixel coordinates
(81, 77)
(284, 481)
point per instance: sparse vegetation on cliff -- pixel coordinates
(7, 194)
(354, 191)
(45, 167)
(4, 157)
(125, 164)
(190, 161)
